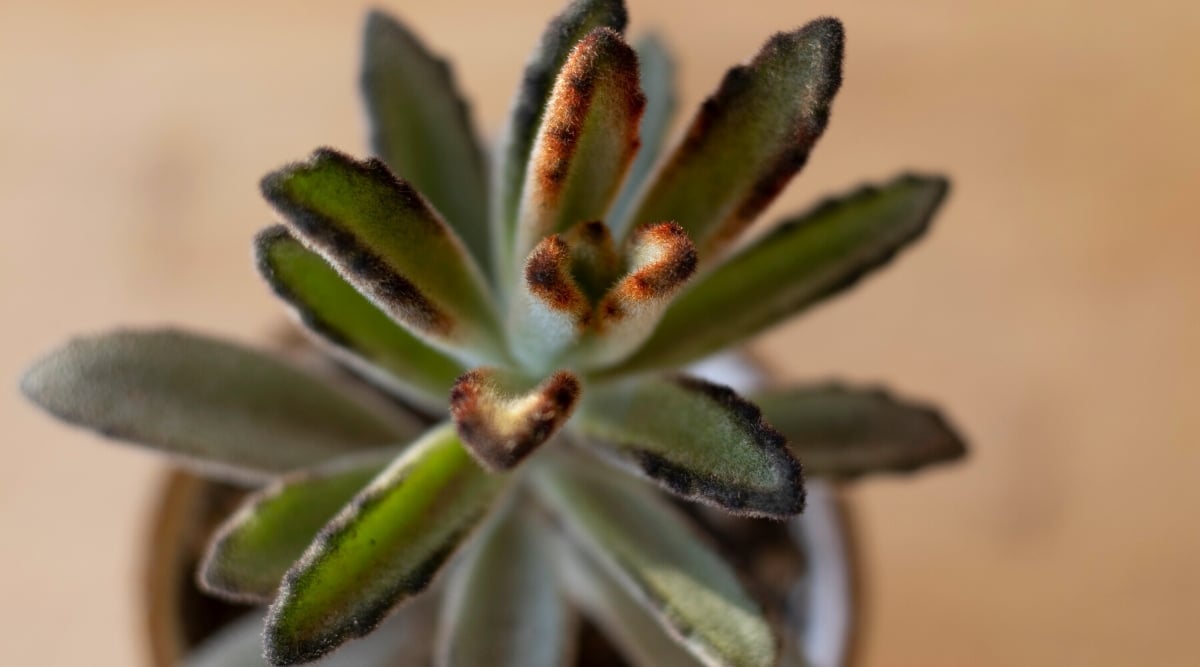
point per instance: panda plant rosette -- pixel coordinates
(542, 457)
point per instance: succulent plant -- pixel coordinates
(526, 322)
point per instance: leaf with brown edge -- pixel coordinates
(501, 426)
(578, 19)
(804, 260)
(357, 333)
(421, 127)
(652, 551)
(384, 547)
(587, 140)
(254, 548)
(503, 606)
(226, 410)
(661, 260)
(749, 138)
(845, 432)
(550, 310)
(696, 439)
(386, 241)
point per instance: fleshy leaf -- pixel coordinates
(587, 139)
(578, 19)
(749, 138)
(806, 259)
(502, 424)
(384, 547)
(386, 240)
(696, 439)
(252, 550)
(844, 432)
(656, 71)
(661, 260)
(357, 332)
(220, 407)
(632, 628)
(550, 310)
(421, 127)
(503, 607)
(649, 548)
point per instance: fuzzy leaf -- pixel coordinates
(386, 240)
(633, 629)
(749, 138)
(649, 548)
(221, 407)
(656, 72)
(252, 550)
(578, 19)
(384, 547)
(550, 311)
(587, 139)
(357, 332)
(698, 440)
(806, 259)
(845, 432)
(421, 127)
(503, 607)
(501, 426)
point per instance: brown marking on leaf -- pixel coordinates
(501, 430)
(663, 259)
(549, 279)
(595, 262)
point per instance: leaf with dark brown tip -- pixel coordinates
(421, 127)
(550, 310)
(387, 241)
(696, 439)
(501, 426)
(578, 19)
(846, 432)
(749, 138)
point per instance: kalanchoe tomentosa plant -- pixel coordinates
(536, 311)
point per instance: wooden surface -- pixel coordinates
(1053, 311)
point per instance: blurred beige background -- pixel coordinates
(1053, 311)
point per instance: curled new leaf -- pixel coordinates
(844, 432)
(550, 310)
(749, 138)
(384, 547)
(502, 427)
(220, 407)
(806, 259)
(698, 440)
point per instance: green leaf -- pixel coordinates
(386, 240)
(696, 439)
(656, 71)
(550, 311)
(749, 138)
(218, 406)
(649, 548)
(421, 127)
(578, 19)
(503, 607)
(252, 550)
(357, 332)
(806, 259)
(386, 546)
(633, 629)
(845, 432)
(587, 139)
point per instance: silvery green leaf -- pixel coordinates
(252, 550)
(386, 546)
(649, 548)
(359, 334)
(220, 407)
(421, 127)
(845, 432)
(503, 607)
(578, 19)
(749, 138)
(384, 238)
(696, 439)
(806, 259)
